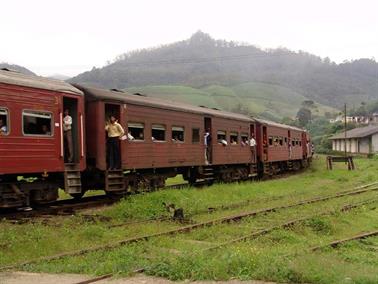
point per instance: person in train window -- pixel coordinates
(45, 130)
(129, 136)
(115, 132)
(3, 127)
(67, 134)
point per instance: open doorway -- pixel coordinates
(208, 140)
(113, 149)
(71, 136)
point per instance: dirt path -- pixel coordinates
(45, 278)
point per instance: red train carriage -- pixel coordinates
(31, 147)
(168, 138)
(282, 147)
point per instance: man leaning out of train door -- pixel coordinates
(115, 133)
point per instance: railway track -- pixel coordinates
(60, 207)
(267, 230)
(188, 228)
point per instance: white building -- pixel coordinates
(359, 140)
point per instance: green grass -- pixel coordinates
(264, 99)
(281, 255)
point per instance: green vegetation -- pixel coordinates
(202, 61)
(263, 99)
(281, 255)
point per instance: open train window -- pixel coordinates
(195, 135)
(280, 141)
(270, 141)
(135, 131)
(293, 142)
(234, 138)
(37, 123)
(244, 139)
(300, 143)
(221, 136)
(285, 141)
(4, 121)
(177, 134)
(158, 132)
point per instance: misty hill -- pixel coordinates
(17, 68)
(201, 61)
(249, 98)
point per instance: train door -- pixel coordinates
(265, 143)
(289, 144)
(252, 142)
(71, 137)
(209, 147)
(112, 110)
(304, 145)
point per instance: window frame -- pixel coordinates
(225, 136)
(270, 141)
(165, 132)
(183, 133)
(144, 134)
(199, 135)
(38, 135)
(8, 122)
(242, 135)
(237, 137)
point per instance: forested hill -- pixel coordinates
(17, 68)
(203, 61)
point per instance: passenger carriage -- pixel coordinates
(32, 147)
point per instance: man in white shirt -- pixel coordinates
(67, 134)
(252, 142)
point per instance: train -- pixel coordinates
(168, 140)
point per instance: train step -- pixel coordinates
(72, 178)
(114, 180)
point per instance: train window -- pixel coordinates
(234, 138)
(280, 141)
(300, 143)
(285, 141)
(270, 141)
(135, 131)
(221, 136)
(293, 142)
(275, 141)
(37, 123)
(177, 134)
(4, 121)
(195, 135)
(158, 132)
(244, 139)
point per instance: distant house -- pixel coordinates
(362, 140)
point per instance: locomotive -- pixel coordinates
(168, 139)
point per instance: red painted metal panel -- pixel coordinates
(32, 154)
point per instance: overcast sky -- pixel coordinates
(72, 36)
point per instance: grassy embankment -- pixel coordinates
(280, 255)
(262, 99)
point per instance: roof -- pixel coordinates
(268, 122)
(357, 132)
(19, 79)
(137, 99)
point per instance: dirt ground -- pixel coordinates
(44, 278)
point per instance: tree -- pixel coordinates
(304, 116)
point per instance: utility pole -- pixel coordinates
(345, 132)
